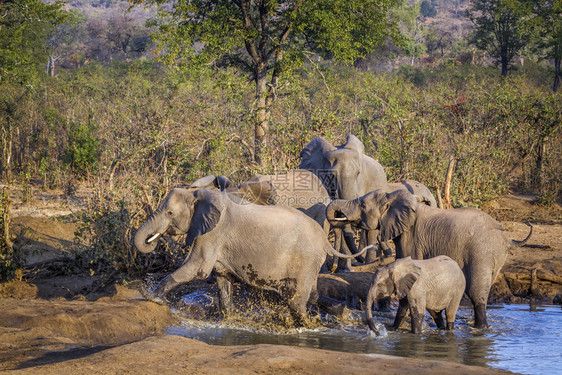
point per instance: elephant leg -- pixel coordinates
(159, 294)
(363, 239)
(403, 306)
(192, 269)
(297, 305)
(480, 283)
(438, 318)
(329, 263)
(372, 253)
(386, 250)
(451, 315)
(344, 265)
(224, 283)
(417, 315)
(480, 320)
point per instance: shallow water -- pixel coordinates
(521, 338)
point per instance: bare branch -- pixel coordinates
(307, 55)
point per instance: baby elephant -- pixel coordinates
(435, 284)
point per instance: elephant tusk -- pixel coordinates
(339, 219)
(153, 238)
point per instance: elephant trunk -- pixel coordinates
(341, 212)
(369, 311)
(146, 237)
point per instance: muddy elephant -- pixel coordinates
(275, 248)
(434, 284)
(299, 189)
(469, 236)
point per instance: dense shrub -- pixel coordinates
(133, 130)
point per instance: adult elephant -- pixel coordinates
(469, 236)
(417, 189)
(269, 247)
(346, 173)
(299, 189)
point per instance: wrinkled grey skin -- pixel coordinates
(299, 189)
(347, 173)
(417, 189)
(270, 247)
(469, 236)
(434, 284)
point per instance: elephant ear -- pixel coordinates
(354, 143)
(312, 155)
(404, 274)
(397, 214)
(206, 213)
(207, 182)
(314, 159)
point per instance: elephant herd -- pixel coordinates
(271, 232)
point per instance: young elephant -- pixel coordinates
(270, 247)
(434, 284)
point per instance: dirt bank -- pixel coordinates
(69, 324)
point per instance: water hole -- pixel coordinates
(524, 339)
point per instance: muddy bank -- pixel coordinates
(175, 354)
(34, 329)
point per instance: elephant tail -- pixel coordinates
(515, 244)
(335, 253)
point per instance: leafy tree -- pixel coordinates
(407, 17)
(268, 38)
(546, 26)
(23, 28)
(442, 35)
(427, 9)
(499, 29)
(63, 39)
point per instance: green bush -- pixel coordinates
(82, 151)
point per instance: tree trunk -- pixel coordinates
(51, 66)
(448, 183)
(7, 152)
(504, 64)
(262, 114)
(539, 165)
(557, 74)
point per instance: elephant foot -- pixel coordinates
(480, 320)
(417, 321)
(373, 255)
